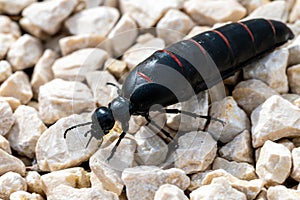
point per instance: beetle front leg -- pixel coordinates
(113, 151)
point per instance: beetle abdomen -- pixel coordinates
(204, 60)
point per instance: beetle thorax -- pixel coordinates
(120, 109)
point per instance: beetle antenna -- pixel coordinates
(77, 125)
(113, 84)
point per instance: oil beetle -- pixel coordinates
(184, 69)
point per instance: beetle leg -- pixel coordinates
(168, 138)
(209, 118)
(113, 151)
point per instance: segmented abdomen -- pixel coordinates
(207, 58)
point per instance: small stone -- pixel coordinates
(42, 72)
(210, 12)
(242, 171)
(5, 70)
(144, 181)
(195, 152)
(276, 118)
(270, 69)
(34, 182)
(173, 26)
(59, 98)
(98, 20)
(73, 43)
(26, 131)
(250, 188)
(220, 188)
(118, 68)
(251, 5)
(168, 191)
(145, 17)
(14, 7)
(22, 195)
(102, 92)
(288, 144)
(262, 195)
(74, 177)
(294, 15)
(76, 65)
(280, 192)
(235, 118)
(18, 86)
(49, 15)
(32, 29)
(251, 93)
(145, 46)
(7, 26)
(291, 97)
(294, 50)
(293, 73)
(109, 173)
(151, 149)
(239, 149)
(4, 145)
(197, 105)
(6, 117)
(65, 192)
(6, 41)
(123, 35)
(95, 182)
(274, 163)
(19, 56)
(296, 164)
(11, 182)
(72, 150)
(275, 10)
(13, 102)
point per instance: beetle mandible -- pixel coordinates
(229, 48)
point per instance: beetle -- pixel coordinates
(184, 69)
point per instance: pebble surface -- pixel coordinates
(55, 60)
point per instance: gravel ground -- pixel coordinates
(56, 58)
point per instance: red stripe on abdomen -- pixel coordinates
(144, 76)
(173, 56)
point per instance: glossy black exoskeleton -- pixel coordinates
(186, 68)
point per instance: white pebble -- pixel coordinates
(210, 12)
(109, 173)
(14, 7)
(7, 26)
(270, 69)
(293, 74)
(54, 152)
(143, 15)
(122, 36)
(76, 65)
(26, 131)
(280, 192)
(48, 15)
(9, 163)
(195, 152)
(34, 182)
(11, 182)
(7, 119)
(73, 43)
(274, 163)
(25, 52)
(18, 86)
(98, 20)
(21, 195)
(235, 118)
(42, 72)
(6, 41)
(173, 26)
(59, 98)
(276, 118)
(4, 144)
(168, 191)
(144, 181)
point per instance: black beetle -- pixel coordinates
(157, 80)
